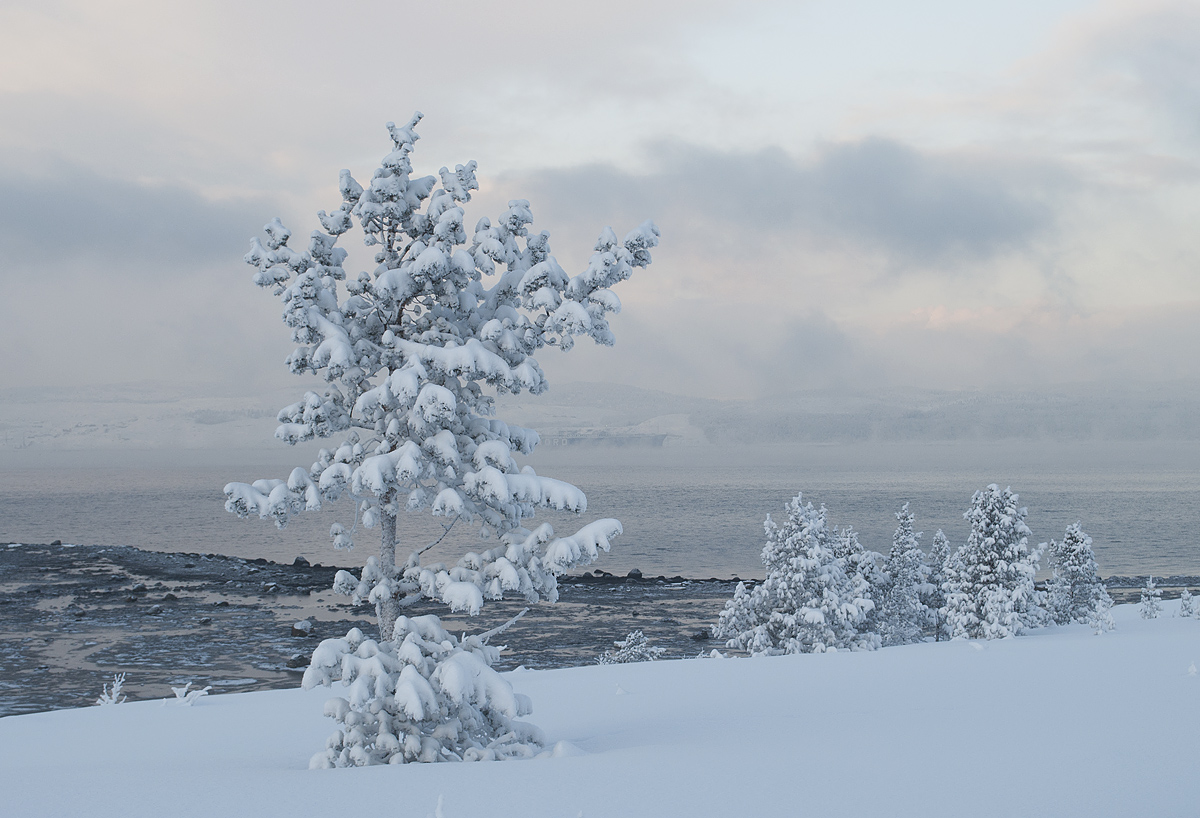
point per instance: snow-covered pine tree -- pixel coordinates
(408, 351)
(1151, 600)
(809, 601)
(1075, 592)
(934, 596)
(905, 616)
(1186, 608)
(989, 580)
(867, 564)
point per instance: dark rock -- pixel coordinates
(169, 597)
(634, 574)
(702, 636)
(155, 610)
(298, 660)
(303, 628)
(131, 599)
(224, 603)
(189, 565)
(57, 542)
(141, 586)
(300, 562)
(270, 587)
(206, 620)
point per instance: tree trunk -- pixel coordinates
(387, 610)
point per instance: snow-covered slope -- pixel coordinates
(1056, 723)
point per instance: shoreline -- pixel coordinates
(75, 615)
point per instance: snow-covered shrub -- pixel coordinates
(408, 350)
(187, 695)
(1075, 593)
(809, 601)
(1151, 600)
(426, 695)
(1186, 608)
(633, 648)
(113, 696)
(989, 580)
(934, 596)
(905, 617)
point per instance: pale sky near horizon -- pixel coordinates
(858, 195)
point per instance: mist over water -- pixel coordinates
(693, 511)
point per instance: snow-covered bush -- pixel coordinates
(188, 696)
(1186, 608)
(407, 351)
(1076, 593)
(633, 648)
(934, 596)
(1151, 600)
(426, 695)
(905, 617)
(809, 601)
(989, 580)
(113, 696)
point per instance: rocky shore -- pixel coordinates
(72, 616)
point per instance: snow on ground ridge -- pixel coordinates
(1058, 722)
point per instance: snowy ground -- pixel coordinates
(1057, 723)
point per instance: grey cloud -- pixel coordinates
(75, 217)
(878, 194)
(921, 206)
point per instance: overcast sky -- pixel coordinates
(937, 194)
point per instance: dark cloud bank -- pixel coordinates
(114, 227)
(917, 207)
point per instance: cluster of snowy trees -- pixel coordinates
(408, 352)
(824, 591)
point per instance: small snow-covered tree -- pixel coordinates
(868, 564)
(809, 601)
(409, 352)
(1075, 592)
(934, 596)
(426, 695)
(633, 648)
(1186, 608)
(113, 696)
(905, 616)
(989, 580)
(1151, 600)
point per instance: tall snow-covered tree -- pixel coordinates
(811, 600)
(1075, 592)
(409, 352)
(989, 580)
(905, 616)
(934, 597)
(1151, 605)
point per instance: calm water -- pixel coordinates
(691, 511)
